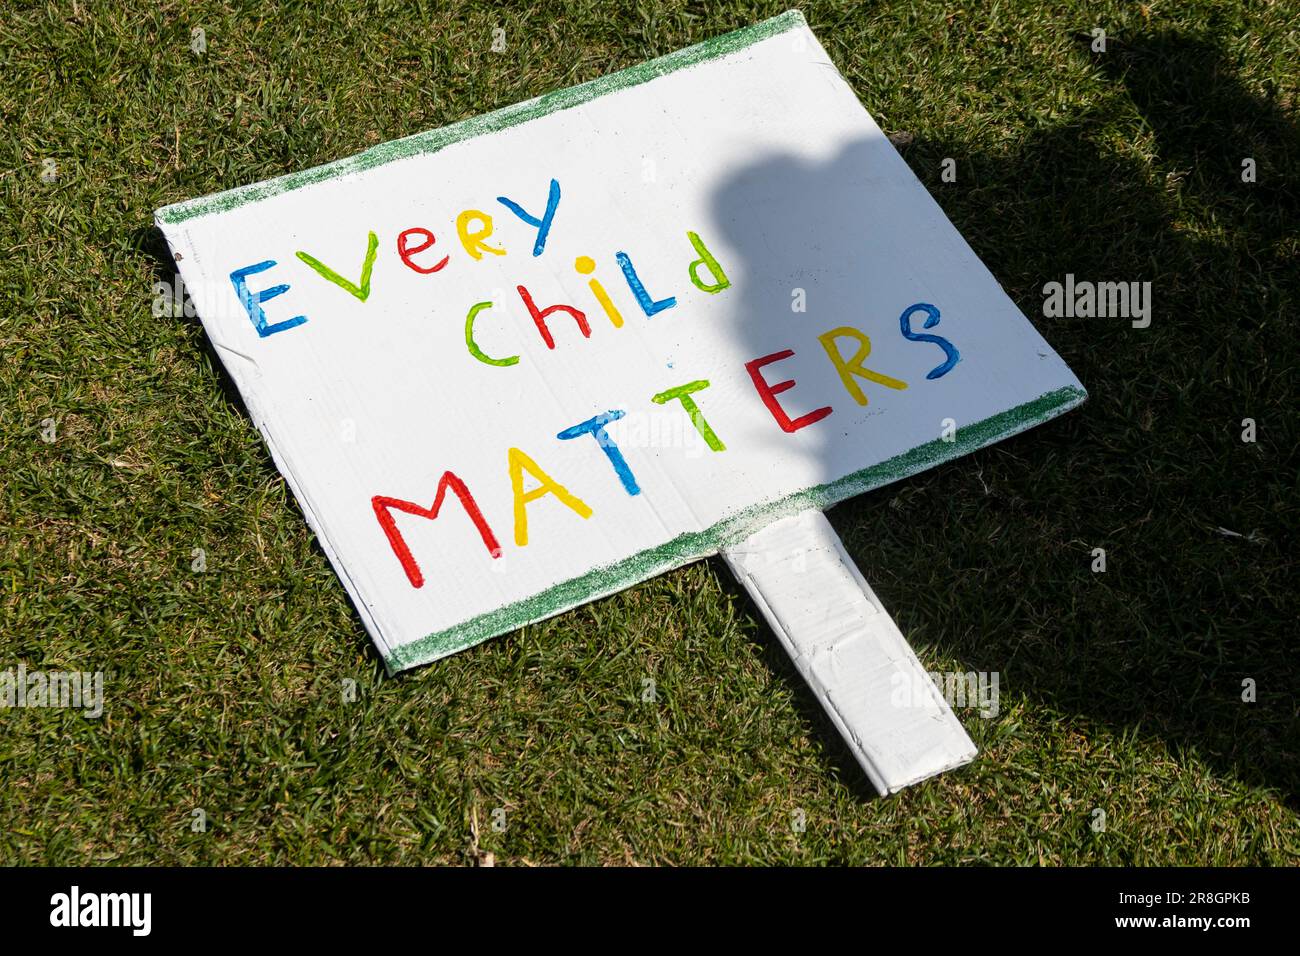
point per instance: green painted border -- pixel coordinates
(694, 545)
(433, 140)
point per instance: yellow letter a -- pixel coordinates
(549, 486)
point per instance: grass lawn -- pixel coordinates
(1120, 691)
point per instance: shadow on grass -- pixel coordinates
(988, 559)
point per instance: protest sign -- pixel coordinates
(525, 361)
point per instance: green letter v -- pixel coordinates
(362, 291)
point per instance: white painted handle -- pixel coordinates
(850, 651)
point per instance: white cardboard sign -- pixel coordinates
(602, 334)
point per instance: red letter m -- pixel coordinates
(389, 524)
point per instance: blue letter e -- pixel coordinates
(252, 301)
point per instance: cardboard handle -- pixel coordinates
(850, 652)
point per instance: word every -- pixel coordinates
(474, 227)
(850, 370)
